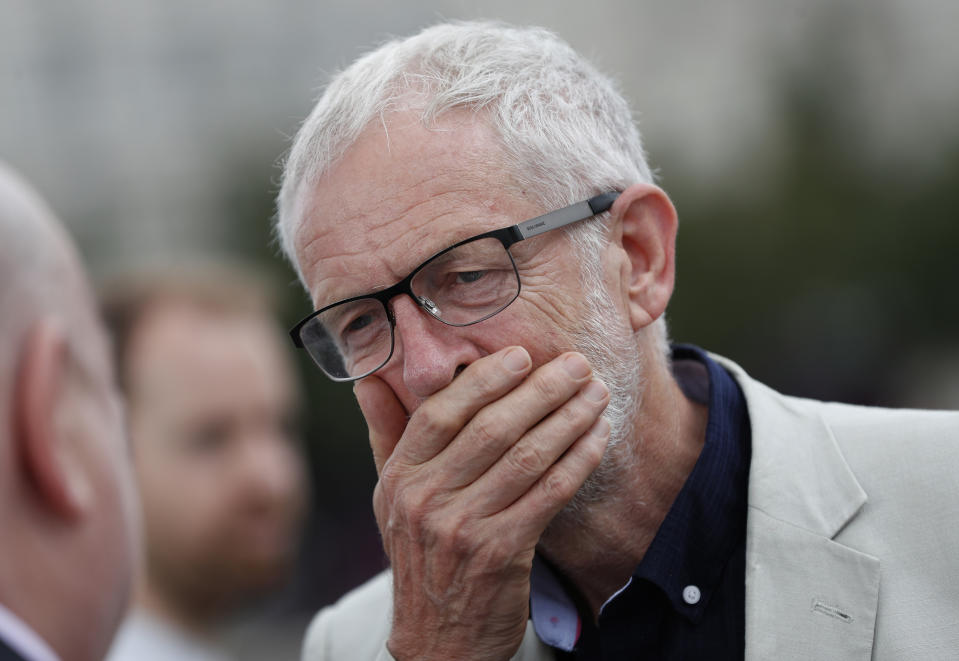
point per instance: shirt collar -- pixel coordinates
(22, 639)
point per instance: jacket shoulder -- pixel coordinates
(917, 447)
(356, 627)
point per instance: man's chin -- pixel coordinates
(240, 578)
(259, 574)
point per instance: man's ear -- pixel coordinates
(648, 224)
(41, 413)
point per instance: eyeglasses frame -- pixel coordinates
(507, 236)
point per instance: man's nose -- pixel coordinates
(430, 352)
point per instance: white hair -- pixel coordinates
(565, 130)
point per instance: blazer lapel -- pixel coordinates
(807, 596)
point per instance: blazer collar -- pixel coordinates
(807, 596)
(797, 472)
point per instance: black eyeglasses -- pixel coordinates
(462, 285)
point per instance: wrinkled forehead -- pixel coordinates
(401, 193)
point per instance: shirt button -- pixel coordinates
(691, 595)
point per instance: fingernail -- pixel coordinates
(600, 429)
(516, 360)
(595, 391)
(576, 366)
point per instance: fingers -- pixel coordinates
(440, 418)
(533, 511)
(489, 439)
(384, 414)
(533, 425)
(528, 460)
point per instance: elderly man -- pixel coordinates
(211, 400)
(68, 524)
(554, 481)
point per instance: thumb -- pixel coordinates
(385, 417)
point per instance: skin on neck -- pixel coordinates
(599, 551)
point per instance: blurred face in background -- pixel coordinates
(211, 397)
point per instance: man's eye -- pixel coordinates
(468, 277)
(359, 323)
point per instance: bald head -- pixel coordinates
(40, 271)
(32, 242)
(67, 503)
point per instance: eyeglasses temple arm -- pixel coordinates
(565, 216)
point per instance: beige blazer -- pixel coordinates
(852, 540)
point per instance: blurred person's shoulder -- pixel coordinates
(146, 638)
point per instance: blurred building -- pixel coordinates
(138, 118)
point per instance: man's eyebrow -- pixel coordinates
(441, 258)
(438, 254)
(327, 301)
(333, 315)
(338, 312)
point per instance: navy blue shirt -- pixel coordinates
(686, 599)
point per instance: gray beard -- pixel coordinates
(611, 348)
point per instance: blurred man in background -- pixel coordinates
(211, 399)
(555, 480)
(68, 514)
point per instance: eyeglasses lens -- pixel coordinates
(461, 286)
